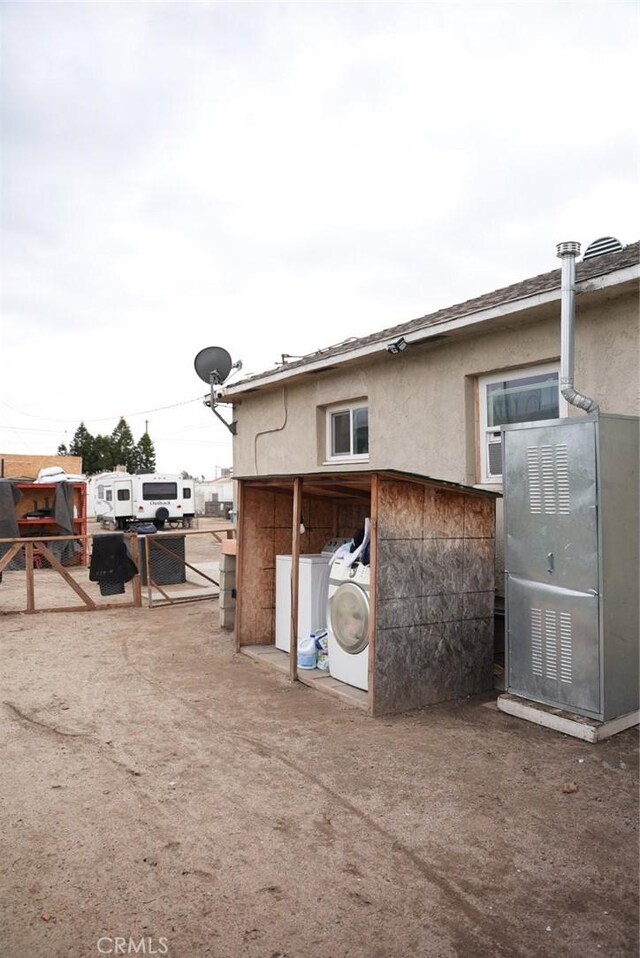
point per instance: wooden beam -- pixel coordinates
(336, 491)
(11, 554)
(28, 565)
(154, 585)
(135, 582)
(295, 578)
(57, 565)
(373, 595)
(237, 630)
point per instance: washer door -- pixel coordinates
(349, 618)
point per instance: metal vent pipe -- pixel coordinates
(567, 253)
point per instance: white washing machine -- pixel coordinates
(313, 583)
(348, 623)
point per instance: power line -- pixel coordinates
(142, 412)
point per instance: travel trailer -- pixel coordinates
(122, 499)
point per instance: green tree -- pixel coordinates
(123, 447)
(145, 454)
(62, 450)
(82, 445)
(102, 455)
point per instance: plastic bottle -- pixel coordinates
(307, 652)
(322, 645)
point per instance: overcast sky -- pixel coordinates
(277, 177)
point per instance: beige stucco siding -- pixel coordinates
(422, 411)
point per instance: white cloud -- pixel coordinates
(276, 177)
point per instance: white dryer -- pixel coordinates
(313, 582)
(348, 622)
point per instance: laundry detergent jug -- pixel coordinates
(307, 652)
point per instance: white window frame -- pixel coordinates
(332, 411)
(485, 431)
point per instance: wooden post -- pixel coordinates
(28, 564)
(373, 565)
(240, 550)
(135, 583)
(295, 577)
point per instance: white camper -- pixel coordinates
(122, 499)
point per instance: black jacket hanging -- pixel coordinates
(111, 565)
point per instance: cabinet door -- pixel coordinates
(550, 505)
(553, 645)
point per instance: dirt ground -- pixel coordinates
(158, 788)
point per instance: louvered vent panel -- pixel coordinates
(551, 644)
(599, 247)
(535, 485)
(566, 648)
(548, 474)
(548, 480)
(536, 641)
(562, 479)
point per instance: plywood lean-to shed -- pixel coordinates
(432, 574)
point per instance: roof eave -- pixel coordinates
(423, 333)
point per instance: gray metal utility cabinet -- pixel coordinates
(571, 556)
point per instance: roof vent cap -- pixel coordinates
(599, 247)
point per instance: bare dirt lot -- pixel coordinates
(157, 787)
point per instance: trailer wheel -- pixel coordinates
(162, 514)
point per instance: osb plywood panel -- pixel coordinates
(422, 665)
(400, 509)
(283, 544)
(479, 518)
(317, 516)
(257, 554)
(443, 513)
(318, 513)
(259, 507)
(435, 596)
(351, 518)
(258, 620)
(283, 516)
(314, 541)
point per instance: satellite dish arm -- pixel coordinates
(214, 380)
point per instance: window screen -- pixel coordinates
(123, 495)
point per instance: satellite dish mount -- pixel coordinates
(213, 365)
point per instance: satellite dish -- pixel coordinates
(213, 364)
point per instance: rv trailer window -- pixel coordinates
(123, 495)
(100, 492)
(108, 495)
(186, 493)
(159, 490)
